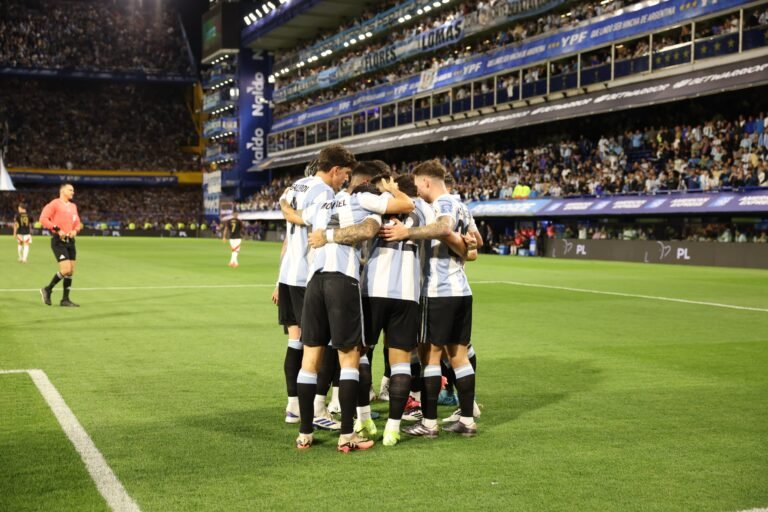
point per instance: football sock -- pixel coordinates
(328, 368)
(349, 380)
(432, 377)
(56, 278)
(319, 403)
(21, 251)
(67, 284)
(292, 365)
(450, 376)
(25, 253)
(399, 384)
(465, 386)
(306, 384)
(363, 392)
(387, 368)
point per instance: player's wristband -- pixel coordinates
(329, 236)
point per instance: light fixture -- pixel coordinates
(247, 21)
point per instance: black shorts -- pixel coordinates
(62, 250)
(447, 320)
(332, 311)
(290, 301)
(399, 319)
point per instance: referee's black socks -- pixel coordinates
(56, 278)
(67, 284)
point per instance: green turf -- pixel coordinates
(592, 402)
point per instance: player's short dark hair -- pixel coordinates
(407, 185)
(380, 177)
(22, 205)
(65, 184)
(431, 168)
(366, 169)
(366, 187)
(449, 179)
(382, 166)
(335, 155)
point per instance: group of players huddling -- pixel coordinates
(387, 255)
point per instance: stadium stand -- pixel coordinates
(719, 154)
(92, 35)
(115, 206)
(536, 25)
(96, 125)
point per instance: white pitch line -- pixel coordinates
(169, 287)
(619, 294)
(106, 482)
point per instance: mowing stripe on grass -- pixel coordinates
(107, 483)
(169, 287)
(620, 294)
(510, 283)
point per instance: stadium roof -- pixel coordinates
(304, 25)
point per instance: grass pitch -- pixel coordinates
(592, 402)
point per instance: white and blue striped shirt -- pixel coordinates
(344, 210)
(302, 195)
(394, 269)
(445, 270)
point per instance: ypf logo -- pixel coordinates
(567, 247)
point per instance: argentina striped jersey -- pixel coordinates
(394, 269)
(344, 210)
(445, 270)
(302, 195)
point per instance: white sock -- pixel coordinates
(429, 423)
(234, 257)
(384, 383)
(335, 394)
(293, 403)
(364, 413)
(21, 251)
(416, 395)
(393, 425)
(467, 421)
(25, 254)
(319, 405)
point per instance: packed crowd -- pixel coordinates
(454, 54)
(514, 34)
(92, 35)
(154, 205)
(717, 154)
(82, 125)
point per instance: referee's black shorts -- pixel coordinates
(332, 311)
(290, 301)
(63, 250)
(447, 320)
(399, 319)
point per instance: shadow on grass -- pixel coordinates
(512, 387)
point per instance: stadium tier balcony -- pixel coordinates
(401, 101)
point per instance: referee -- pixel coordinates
(61, 219)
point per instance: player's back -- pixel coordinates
(394, 269)
(446, 277)
(344, 210)
(305, 192)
